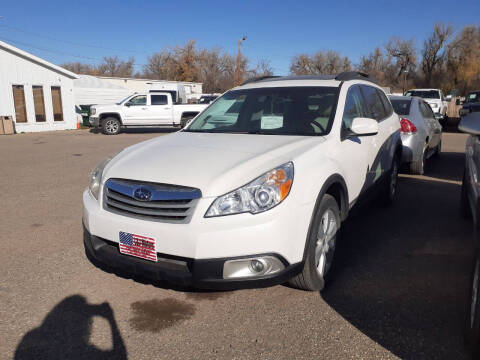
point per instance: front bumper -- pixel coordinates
(186, 272)
(94, 121)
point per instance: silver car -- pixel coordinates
(470, 209)
(420, 131)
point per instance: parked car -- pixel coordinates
(155, 108)
(420, 131)
(207, 99)
(470, 209)
(471, 103)
(434, 98)
(253, 201)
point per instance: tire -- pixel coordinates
(390, 185)
(185, 120)
(465, 210)
(438, 149)
(320, 247)
(111, 126)
(418, 167)
(472, 321)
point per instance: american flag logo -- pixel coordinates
(137, 245)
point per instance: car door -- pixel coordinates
(434, 127)
(380, 154)
(135, 111)
(352, 152)
(160, 110)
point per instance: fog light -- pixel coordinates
(257, 266)
(252, 267)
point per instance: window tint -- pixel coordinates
(19, 102)
(375, 106)
(39, 103)
(57, 103)
(138, 100)
(386, 103)
(282, 111)
(426, 110)
(354, 107)
(159, 99)
(402, 107)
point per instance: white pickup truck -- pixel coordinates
(151, 109)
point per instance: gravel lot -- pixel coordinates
(400, 288)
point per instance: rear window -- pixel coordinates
(401, 107)
(425, 94)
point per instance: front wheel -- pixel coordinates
(390, 187)
(321, 244)
(472, 322)
(111, 126)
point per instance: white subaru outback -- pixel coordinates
(253, 191)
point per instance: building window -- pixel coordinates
(57, 104)
(19, 102)
(39, 103)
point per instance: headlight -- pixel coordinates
(434, 105)
(96, 178)
(93, 111)
(263, 193)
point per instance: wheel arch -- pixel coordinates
(110, 114)
(335, 186)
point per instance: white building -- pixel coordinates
(192, 89)
(92, 90)
(36, 93)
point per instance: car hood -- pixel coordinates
(214, 163)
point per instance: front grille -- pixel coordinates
(167, 203)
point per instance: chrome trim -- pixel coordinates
(169, 203)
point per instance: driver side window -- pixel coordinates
(140, 100)
(353, 107)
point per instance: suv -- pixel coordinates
(142, 110)
(253, 191)
(434, 98)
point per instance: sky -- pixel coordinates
(67, 31)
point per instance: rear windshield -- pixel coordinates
(425, 94)
(401, 107)
(473, 97)
(270, 111)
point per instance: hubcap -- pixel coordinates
(325, 242)
(473, 303)
(111, 126)
(393, 179)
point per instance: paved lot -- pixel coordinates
(400, 287)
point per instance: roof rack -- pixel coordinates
(344, 76)
(354, 75)
(260, 78)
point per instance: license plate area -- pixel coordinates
(137, 245)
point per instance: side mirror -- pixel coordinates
(128, 104)
(470, 124)
(363, 127)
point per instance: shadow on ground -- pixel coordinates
(402, 273)
(141, 130)
(65, 333)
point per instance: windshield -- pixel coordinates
(425, 94)
(402, 107)
(270, 111)
(473, 97)
(120, 102)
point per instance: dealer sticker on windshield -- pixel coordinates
(137, 245)
(271, 122)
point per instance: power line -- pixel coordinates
(70, 42)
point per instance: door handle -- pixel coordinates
(167, 108)
(144, 108)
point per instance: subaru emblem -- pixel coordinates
(142, 194)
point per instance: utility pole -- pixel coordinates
(239, 60)
(404, 81)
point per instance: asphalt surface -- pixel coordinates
(399, 286)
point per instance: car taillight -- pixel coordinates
(406, 126)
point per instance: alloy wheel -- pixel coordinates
(325, 246)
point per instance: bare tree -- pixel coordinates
(79, 68)
(434, 50)
(160, 66)
(113, 66)
(322, 62)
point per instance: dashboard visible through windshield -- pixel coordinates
(271, 111)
